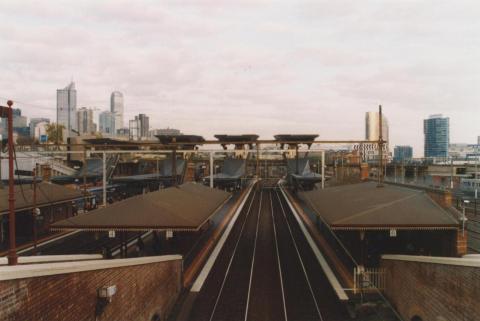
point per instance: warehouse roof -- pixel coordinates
(186, 207)
(47, 194)
(364, 206)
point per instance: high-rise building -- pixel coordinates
(19, 124)
(134, 129)
(116, 107)
(402, 153)
(34, 122)
(144, 125)
(139, 127)
(106, 123)
(85, 123)
(372, 132)
(436, 130)
(67, 108)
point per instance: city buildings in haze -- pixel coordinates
(372, 132)
(85, 123)
(139, 127)
(436, 130)
(117, 107)
(67, 108)
(33, 123)
(106, 123)
(402, 153)
(164, 132)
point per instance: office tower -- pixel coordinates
(134, 129)
(144, 125)
(19, 124)
(34, 122)
(436, 130)
(85, 123)
(372, 132)
(139, 127)
(39, 131)
(402, 153)
(116, 107)
(106, 122)
(67, 108)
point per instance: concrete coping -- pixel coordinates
(37, 270)
(468, 261)
(52, 258)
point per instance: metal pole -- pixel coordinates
(104, 183)
(84, 178)
(34, 211)
(12, 251)
(323, 169)
(211, 169)
(380, 147)
(451, 174)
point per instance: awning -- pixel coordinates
(47, 194)
(363, 206)
(183, 208)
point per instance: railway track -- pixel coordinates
(266, 270)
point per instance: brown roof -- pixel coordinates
(364, 206)
(186, 207)
(47, 194)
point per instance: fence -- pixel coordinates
(368, 279)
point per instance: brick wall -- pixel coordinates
(142, 291)
(433, 292)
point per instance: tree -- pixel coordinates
(55, 132)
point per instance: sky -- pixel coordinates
(265, 67)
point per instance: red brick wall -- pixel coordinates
(142, 291)
(433, 291)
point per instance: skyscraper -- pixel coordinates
(116, 107)
(139, 127)
(402, 153)
(85, 123)
(106, 122)
(437, 136)
(372, 132)
(66, 108)
(144, 125)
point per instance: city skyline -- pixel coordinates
(406, 56)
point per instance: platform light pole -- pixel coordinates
(211, 169)
(323, 169)
(380, 147)
(7, 112)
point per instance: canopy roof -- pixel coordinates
(183, 208)
(47, 194)
(187, 140)
(246, 139)
(364, 206)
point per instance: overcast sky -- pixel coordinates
(264, 67)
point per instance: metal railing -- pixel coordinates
(368, 279)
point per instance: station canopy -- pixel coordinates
(183, 208)
(47, 194)
(296, 139)
(185, 141)
(364, 206)
(237, 140)
(110, 142)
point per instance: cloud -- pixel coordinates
(251, 66)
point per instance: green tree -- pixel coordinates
(55, 132)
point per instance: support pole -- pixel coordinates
(104, 183)
(380, 147)
(323, 169)
(174, 162)
(84, 178)
(34, 211)
(211, 169)
(12, 251)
